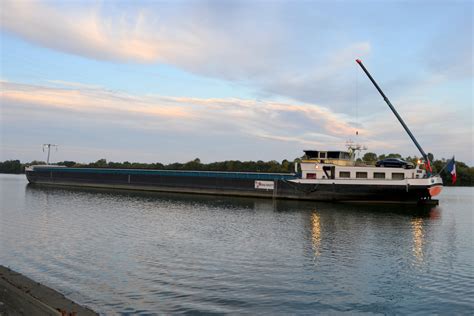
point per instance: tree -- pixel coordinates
(66, 163)
(193, 165)
(11, 166)
(101, 163)
(370, 157)
(158, 165)
(285, 166)
(430, 156)
(413, 160)
(35, 162)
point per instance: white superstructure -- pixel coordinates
(338, 167)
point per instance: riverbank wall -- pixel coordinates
(19, 295)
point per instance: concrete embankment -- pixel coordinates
(20, 295)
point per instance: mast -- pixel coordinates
(425, 156)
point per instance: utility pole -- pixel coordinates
(49, 150)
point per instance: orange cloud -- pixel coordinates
(258, 118)
(85, 32)
(86, 100)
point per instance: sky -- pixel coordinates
(167, 81)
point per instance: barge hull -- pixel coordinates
(227, 183)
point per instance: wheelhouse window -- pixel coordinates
(344, 174)
(322, 155)
(398, 176)
(311, 176)
(379, 175)
(361, 175)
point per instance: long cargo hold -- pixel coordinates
(315, 181)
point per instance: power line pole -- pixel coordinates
(49, 150)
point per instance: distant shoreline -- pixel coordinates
(22, 296)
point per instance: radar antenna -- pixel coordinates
(354, 148)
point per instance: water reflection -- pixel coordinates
(44, 192)
(418, 238)
(316, 232)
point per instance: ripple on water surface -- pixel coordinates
(123, 252)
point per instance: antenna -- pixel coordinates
(354, 148)
(49, 150)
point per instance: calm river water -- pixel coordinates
(137, 253)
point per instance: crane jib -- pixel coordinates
(425, 156)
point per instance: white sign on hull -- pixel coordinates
(264, 185)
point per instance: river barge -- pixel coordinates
(321, 176)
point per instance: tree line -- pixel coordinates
(15, 166)
(465, 174)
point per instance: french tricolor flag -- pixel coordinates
(451, 168)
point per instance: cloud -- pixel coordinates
(85, 32)
(92, 101)
(254, 44)
(181, 114)
(325, 81)
(190, 39)
(275, 49)
(115, 119)
(259, 44)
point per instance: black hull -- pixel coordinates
(232, 184)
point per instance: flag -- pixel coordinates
(428, 166)
(451, 168)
